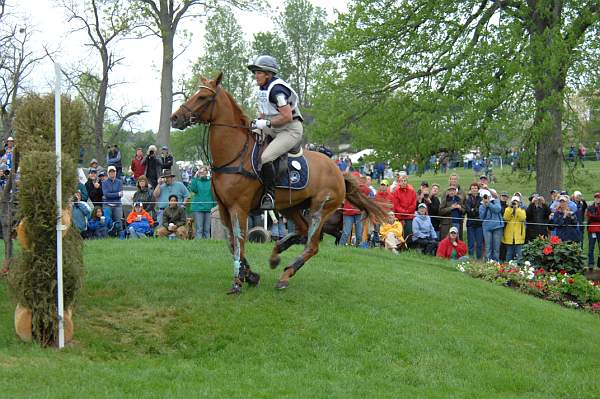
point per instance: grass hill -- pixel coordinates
(154, 321)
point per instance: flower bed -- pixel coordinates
(551, 270)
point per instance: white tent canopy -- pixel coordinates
(355, 157)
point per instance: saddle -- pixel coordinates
(292, 169)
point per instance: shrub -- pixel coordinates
(554, 255)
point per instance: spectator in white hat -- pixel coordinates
(582, 206)
(514, 229)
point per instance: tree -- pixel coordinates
(273, 45)
(17, 61)
(225, 51)
(104, 22)
(504, 64)
(304, 30)
(161, 18)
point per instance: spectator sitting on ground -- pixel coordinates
(80, 215)
(98, 224)
(392, 233)
(166, 187)
(514, 230)
(423, 234)
(452, 247)
(139, 222)
(565, 221)
(173, 220)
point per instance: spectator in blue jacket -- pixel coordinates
(565, 221)
(112, 191)
(98, 224)
(424, 235)
(80, 214)
(490, 213)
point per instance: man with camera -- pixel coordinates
(565, 220)
(514, 231)
(153, 166)
(492, 224)
(167, 186)
(94, 188)
(474, 227)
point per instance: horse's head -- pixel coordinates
(198, 108)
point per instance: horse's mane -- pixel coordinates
(239, 113)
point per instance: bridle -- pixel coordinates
(194, 117)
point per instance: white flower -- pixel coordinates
(521, 273)
(530, 276)
(462, 269)
(553, 278)
(527, 263)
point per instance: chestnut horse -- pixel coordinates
(237, 189)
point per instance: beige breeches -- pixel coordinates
(284, 139)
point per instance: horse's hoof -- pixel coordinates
(282, 285)
(253, 279)
(274, 261)
(235, 289)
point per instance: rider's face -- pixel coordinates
(261, 78)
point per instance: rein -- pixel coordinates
(194, 117)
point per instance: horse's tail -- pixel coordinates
(362, 202)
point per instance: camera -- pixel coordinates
(514, 203)
(426, 195)
(151, 152)
(485, 196)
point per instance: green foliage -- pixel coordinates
(187, 144)
(225, 51)
(555, 255)
(33, 281)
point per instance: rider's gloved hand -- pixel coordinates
(261, 123)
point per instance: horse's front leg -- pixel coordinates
(241, 269)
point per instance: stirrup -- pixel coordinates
(267, 202)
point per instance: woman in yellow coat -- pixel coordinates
(392, 233)
(514, 229)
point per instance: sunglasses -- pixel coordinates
(453, 233)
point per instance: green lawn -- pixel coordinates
(153, 321)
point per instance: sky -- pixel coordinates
(139, 73)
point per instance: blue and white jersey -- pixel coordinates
(275, 94)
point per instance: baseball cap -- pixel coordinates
(596, 195)
(515, 198)
(564, 192)
(453, 229)
(425, 183)
(164, 147)
(10, 139)
(422, 206)
(564, 198)
(576, 193)
(93, 170)
(111, 168)
(385, 182)
(102, 173)
(137, 204)
(94, 160)
(504, 194)
(484, 192)
(483, 177)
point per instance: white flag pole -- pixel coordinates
(59, 225)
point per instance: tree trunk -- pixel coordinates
(166, 90)
(101, 107)
(549, 154)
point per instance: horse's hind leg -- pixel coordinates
(324, 208)
(299, 237)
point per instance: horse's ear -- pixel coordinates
(219, 79)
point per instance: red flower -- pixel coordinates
(554, 240)
(596, 306)
(539, 271)
(547, 250)
(513, 270)
(539, 285)
(501, 270)
(570, 280)
(563, 272)
(595, 284)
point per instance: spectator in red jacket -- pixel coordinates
(593, 217)
(404, 199)
(452, 247)
(352, 216)
(137, 167)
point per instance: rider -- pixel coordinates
(279, 117)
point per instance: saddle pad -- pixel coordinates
(297, 174)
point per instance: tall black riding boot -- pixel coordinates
(267, 201)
